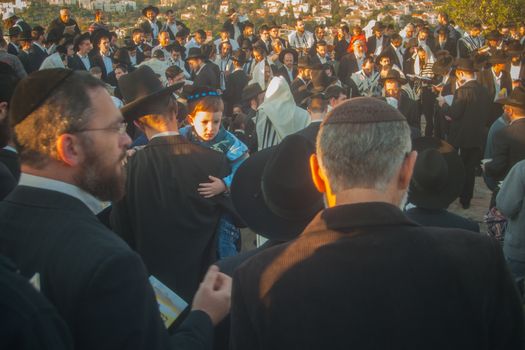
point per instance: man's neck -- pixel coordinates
(365, 195)
(317, 116)
(54, 172)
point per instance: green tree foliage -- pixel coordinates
(490, 13)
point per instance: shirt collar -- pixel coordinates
(350, 216)
(95, 205)
(164, 134)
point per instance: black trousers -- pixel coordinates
(471, 157)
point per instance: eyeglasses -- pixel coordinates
(120, 128)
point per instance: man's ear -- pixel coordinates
(317, 176)
(3, 110)
(407, 168)
(69, 150)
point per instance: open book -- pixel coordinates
(170, 304)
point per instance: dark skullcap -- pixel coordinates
(32, 91)
(363, 110)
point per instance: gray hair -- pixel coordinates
(366, 155)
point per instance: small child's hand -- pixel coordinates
(213, 188)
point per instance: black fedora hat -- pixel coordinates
(195, 52)
(393, 74)
(443, 64)
(320, 80)
(239, 56)
(438, 176)
(303, 62)
(251, 91)
(25, 36)
(516, 98)
(499, 57)
(150, 7)
(515, 49)
(285, 51)
(273, 192)
(143, 93)
(493, 35)
(13, 31)
(465, 64)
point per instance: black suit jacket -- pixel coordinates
(97, 283)
(229, 26)
(37, 56)
(344, 284)
(410, 109)
(164, 218)
(390, 51)
(11, 161)
(12, 49)
(486, 78)
(371, 44)
(509, 148)
(440, 218)
(97, 60)
(347, 66)
(450, 45)
(283, 72)
(469, 112)
(75, 63)
(23, 56)
(235, 83)
(208, 76)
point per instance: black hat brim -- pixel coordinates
(248, 200)
(146, 105)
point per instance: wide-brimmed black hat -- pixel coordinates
(251, 91)
(150, 7)
(393, 74)
(516, 98)
(246, 45)
(303, 62)
(465, 64)
(493, 35)
(13, 31)
(273, 192)
(443, 64)
(499, 57)
(239, 56)
(143, 93)
(25, 36)
(438, 176)
(195, 52)
(515, 49)
(320, 80)
(378, 26)
(285, 51)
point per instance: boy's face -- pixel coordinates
(207, 124)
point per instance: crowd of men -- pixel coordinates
(125, 158)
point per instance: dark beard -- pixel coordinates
(99, 181)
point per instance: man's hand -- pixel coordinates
(214, 295)
(441, 100)
(213, 188)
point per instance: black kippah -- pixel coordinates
(32, 91)
(363, 110)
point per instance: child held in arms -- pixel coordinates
(205, 129)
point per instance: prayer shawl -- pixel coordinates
(278, 116)
(471, 43)
(367, 86)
